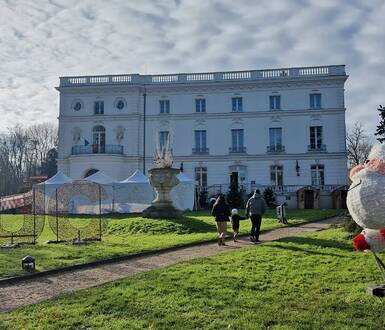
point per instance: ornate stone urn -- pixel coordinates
(163, 180)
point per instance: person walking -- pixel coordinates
(255, 208)
(221, 212)
(235, 218)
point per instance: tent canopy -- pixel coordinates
(136, 177)
(183, 177)
(183, 194)
(58, 178)
(100, 177)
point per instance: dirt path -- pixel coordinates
(38, 289)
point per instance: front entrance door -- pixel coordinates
(309, 199)
(344, 194)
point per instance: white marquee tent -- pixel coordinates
(101, 178)
(83, 205)
(183, 194)
(48, 189)
(133, 194)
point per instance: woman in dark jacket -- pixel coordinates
(221, 212)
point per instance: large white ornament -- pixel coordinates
(366, 196)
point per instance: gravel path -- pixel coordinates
(38, 289)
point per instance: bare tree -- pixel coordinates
(25, 152)
(42, 138)
(358, 145)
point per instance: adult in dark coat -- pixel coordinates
(221, 212)
(255, 208)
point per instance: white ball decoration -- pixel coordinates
(366, 196)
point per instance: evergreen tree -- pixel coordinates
(269, 197)
(381, 127)
(49, 166)
(235, 199)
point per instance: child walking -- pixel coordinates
(235, 218)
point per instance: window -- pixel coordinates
(275, 102)
(200, 142)
(98, 139)
(164, 106)
(242, 172)
(315, 138)
(276, 175)
(90, 172)
(163, 139)
(98, 107)
(200, 105)
(237, 141)
(317, 175)
(77, 106)
(275, 139)
(120, 104)
(237, 104)
(315, 101)
(201, 176)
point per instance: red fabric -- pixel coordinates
(382, 233)
(359, 243)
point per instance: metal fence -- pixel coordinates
(25, 221)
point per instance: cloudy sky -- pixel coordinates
(41, 40)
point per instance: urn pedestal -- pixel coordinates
(163, 180)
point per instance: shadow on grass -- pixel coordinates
(194, 225)
(317, 242)
(299, 249)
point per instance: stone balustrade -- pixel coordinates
(183, 78)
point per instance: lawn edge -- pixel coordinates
(91, 264)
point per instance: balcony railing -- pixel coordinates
(98, 149)
(293, 188)
(275, 148)
(200, 150)
(315, 148)
(237, 150)
(250, 187)
(183, 78)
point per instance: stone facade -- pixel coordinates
(281, 127)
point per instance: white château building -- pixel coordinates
(278, 127)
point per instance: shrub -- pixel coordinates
(269, 197)
(235, 199)
(203, 203)
(146, 226)
(350, 225)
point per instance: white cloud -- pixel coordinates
(44, 39)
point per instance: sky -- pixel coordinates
(41, 40)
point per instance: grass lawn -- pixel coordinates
(314, 281)
(128, 234)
